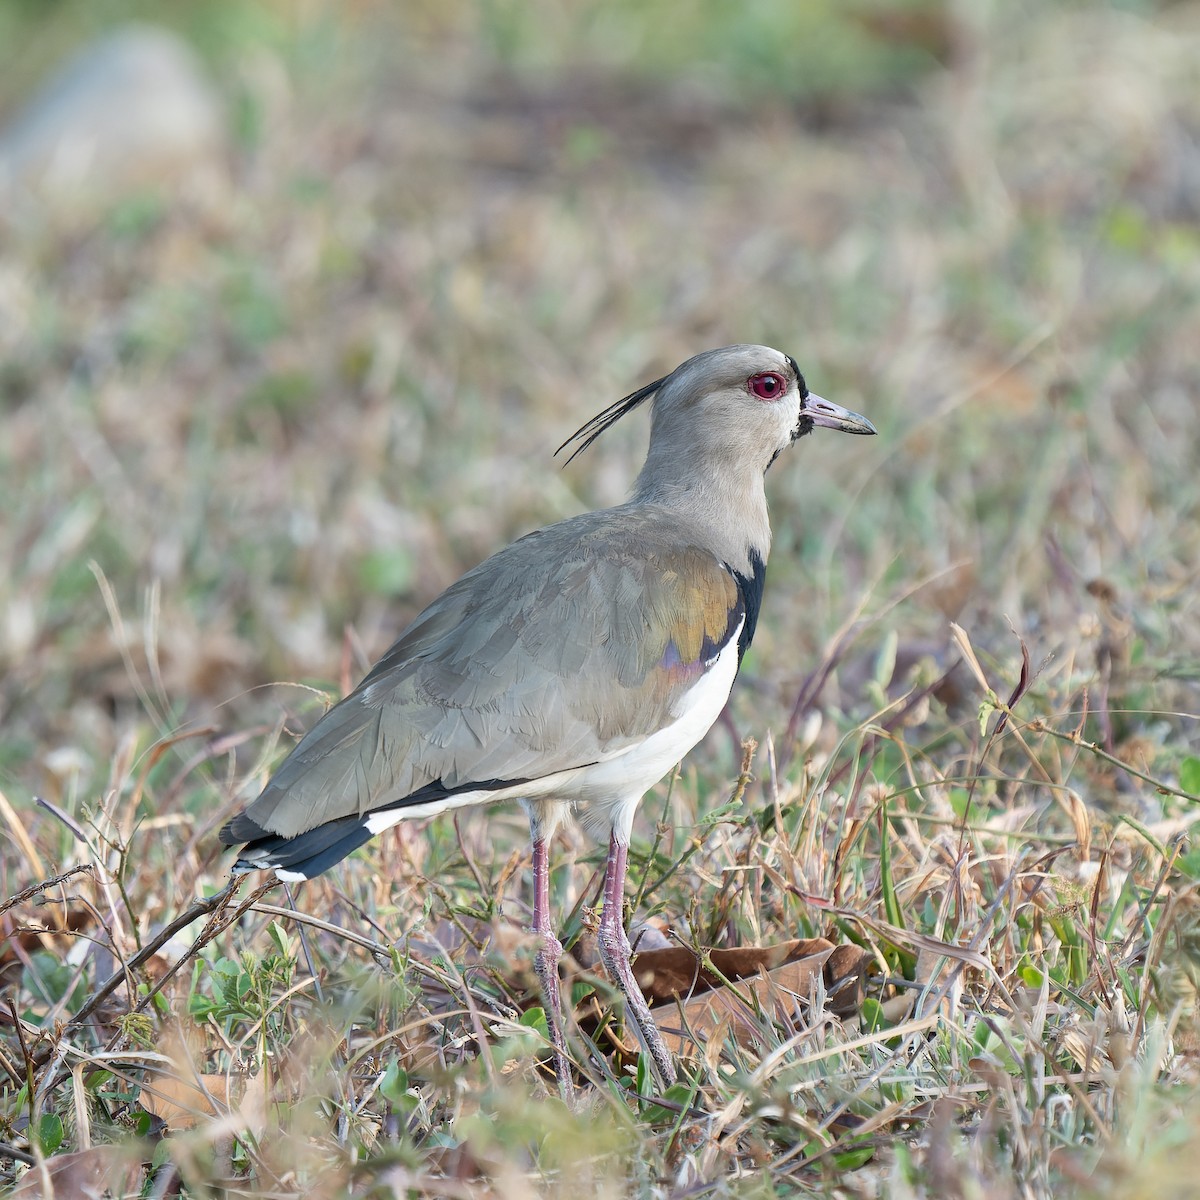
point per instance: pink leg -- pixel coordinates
(546, 965)
(614, 953)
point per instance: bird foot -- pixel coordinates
(614, 953)
(545, 964)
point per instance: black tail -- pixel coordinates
(306, 854)
(303, 856)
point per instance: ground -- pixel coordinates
(252, 423)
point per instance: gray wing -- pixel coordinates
(566, 648)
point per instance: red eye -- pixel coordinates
(767, 386)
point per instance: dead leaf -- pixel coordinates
(677, 973)
(181, 1103)
(777, 979)
(780, 994)
(99, 1171)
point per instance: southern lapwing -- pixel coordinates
(573, 669)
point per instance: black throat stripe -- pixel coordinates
(751, 589)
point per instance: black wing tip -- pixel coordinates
(239, 830)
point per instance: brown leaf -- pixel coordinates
(98, 1171)
(780, 993)
(666, 975)
(778, 979)
(181, 1103)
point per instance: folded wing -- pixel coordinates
(565, 649)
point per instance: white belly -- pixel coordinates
(607, 793)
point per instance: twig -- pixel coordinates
(217, 923)
(1040, 726)
(214, 904)
(110, 985)
(34, 889)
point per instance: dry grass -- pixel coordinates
(248, 432)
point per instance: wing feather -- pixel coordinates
(566, 648)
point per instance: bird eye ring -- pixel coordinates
(767, 386)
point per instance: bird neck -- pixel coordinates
(724, 505)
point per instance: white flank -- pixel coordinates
(611, 790)
(377, 822)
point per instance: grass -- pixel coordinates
(248, 433)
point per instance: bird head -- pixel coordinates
(743, 405)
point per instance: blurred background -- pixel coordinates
(297, 300)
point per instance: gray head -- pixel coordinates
(719, 421)
(736, 407)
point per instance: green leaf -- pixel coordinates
(885, 660)
(873, 1016)
(891, 905)
(679, 1093)
(1189, 775)
(279, 936)
(1189, 863)
(201, 1006)
(55, 975)
(535, 1018)
(394, 1089)
(1030, 975)
(394, 1083)
(960, 801)
(644, 1077)
(850, 1160)
(581, 989)
(48, 1133)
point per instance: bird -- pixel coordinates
(571, 670)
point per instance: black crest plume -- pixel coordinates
(590, 431)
